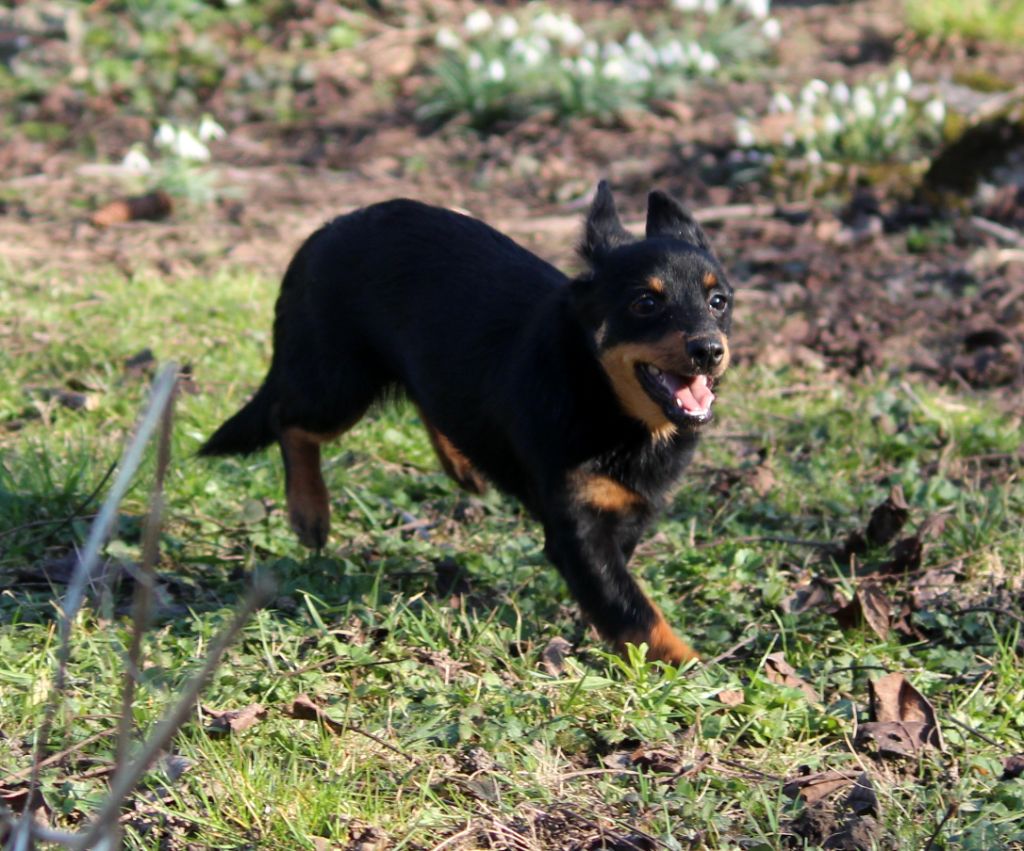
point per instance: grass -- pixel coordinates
(989, 20)
(449, 723)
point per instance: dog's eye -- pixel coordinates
(645, 305)
(719, 302)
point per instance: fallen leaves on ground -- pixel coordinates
(226, 721)
(553, 655)
(903, 722)
(780, 672)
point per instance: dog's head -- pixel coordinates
(658, 310)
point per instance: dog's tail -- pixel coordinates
(247, 431)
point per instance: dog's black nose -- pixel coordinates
(705, 352)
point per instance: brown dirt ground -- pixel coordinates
(830, 285)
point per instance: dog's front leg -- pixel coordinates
(582, 543)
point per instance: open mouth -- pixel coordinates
(685, 399)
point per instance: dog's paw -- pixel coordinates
(311, 529)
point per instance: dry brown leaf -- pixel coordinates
(304, 709)
(1013, 766)
(780, 672)
(887, 519)
(818, 592)
(661, 760)
(903, 721)
(225, 721)
(762, 479)
(731, 697)
(869, 605)
(552, 657)
(863, 800)
(152, 206)
(815, 787)
(17, 799)
(934, 584)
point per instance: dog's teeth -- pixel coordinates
(679, 403)
(653, 370)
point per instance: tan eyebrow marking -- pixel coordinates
(656, 284)
(710, 280)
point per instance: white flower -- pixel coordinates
(686, 5)
(165, 136)
(710, 6)
(584, 67)
(507, 27)
(788, 139)
(136, 161)
(781, 102)
(808, 96)
(708, 63)
(188, 147)
(572, 33)
(863, 103)
(447, 40)
(612, 50)
(813, 157)
(898, 107)
(832, 124)
(526, 53)
(591, 49)
(671, 54)
(636, 42)
(210, 130)
(758, 8)
(820, 87)
(881, 89)
(496, 70)
(902, 82)
(614, 68)
(840, 93)
(478, 21)
(475, 62)
(935, 110)
(771, 29)
(744, 134)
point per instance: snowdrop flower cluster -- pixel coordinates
(179, 164)
(513, 64)
(181, 142)
(866, 123)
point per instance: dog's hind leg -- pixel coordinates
(309, 510)
(453, 462)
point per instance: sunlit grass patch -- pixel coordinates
(990, 20)
(420, 630)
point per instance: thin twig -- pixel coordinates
(17, 776)
(951, 810)
(732, 651)
(163, 386)
(75, 512)
(974, 731)
(145, 582)
(128, 775)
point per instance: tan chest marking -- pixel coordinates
(606, 494)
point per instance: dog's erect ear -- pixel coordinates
(667, 217)
(604, 231)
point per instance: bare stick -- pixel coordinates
(163, 386)
(128, 775)
(145, 582)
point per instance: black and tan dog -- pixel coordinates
(584, 398)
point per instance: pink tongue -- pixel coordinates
(695, 397)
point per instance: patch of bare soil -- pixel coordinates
(837, 291)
